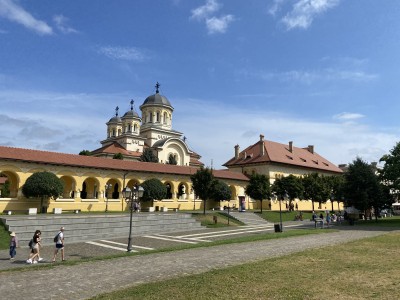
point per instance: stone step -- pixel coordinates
(86, 227)
(249, 218)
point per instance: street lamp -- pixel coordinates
(106, 188)
(132, 196)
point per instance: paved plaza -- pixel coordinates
(88, 279)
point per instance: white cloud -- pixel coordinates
(218, 25)
(61, 23)
(211, 128)
(312, 76)
(216, 138)
(213, 23)
(346, 116)
(302, 12)
(10, 10)
(203, 12)
(123, 53)
(275, 7)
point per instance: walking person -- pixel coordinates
(328, 219)
(35, 248)
(59, 240)
(13, 245)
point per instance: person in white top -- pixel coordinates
(59, 240)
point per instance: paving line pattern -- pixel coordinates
(88, 279)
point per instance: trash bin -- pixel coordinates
(277, 227)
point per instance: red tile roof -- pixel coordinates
(281, 154)
(115, 148)
(74, 160)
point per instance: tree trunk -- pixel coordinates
(204, 208)
(261, 205)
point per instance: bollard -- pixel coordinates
(215, 219)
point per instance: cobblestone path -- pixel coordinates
(86, 280)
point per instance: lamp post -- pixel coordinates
(131, 196)
(106, 188)
(283, 197)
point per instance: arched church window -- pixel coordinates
(119, 131)
(135, 127)
(151, 117)
(165, 118)
(158, 117)
(113, 132)
(129, 128)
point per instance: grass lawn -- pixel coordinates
(366, 269)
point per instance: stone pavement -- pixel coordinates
(86, 280)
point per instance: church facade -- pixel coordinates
(132, 135)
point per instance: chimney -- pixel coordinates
(237, 148)
(311, 149)
(291, 146)
(262, 148)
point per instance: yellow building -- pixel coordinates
(277, 160)
(96, 184)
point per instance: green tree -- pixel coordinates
(5, 189)
(172, 160)
(390, 173)
(315, 188)
(362, 189)
(336, 185)
(202, 184)
(85, 152)
(43, 185)
(154, 189)
(118, 156)
(220, 191)
(148, 156)
(259, 188)
(291, 186)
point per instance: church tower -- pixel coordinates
(130, 135)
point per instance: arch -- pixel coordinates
(69, 186)
(158, 117)
(11, 185)
(165, 118)
(90, 188)
(233, 192)
(182, 190)
(170, 189)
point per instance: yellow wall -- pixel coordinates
(96, 180)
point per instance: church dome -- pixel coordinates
(156, 99)
(115, 119)
(130, 114)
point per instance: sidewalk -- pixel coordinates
(86, 280)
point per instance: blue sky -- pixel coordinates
(315, 72)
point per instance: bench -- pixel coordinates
(75, 211)
(319, 221)
(13, 211)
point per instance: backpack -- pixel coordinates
(30, 244)
(56, 238)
